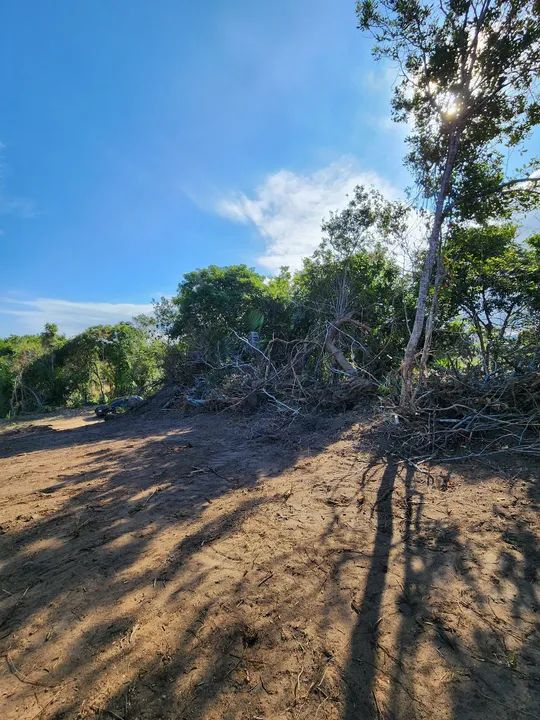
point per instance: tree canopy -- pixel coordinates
(49, 370)
(469, 74)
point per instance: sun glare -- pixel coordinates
(449, 105)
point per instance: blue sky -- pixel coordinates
(141, 140)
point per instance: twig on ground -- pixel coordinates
(265, 579)
(107, 712)
(21, 677)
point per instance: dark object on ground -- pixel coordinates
(119, 405)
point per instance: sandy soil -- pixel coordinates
(170, 567)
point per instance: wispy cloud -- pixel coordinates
(382, 77)
(528, 224)
(287, 208)
(29, 316)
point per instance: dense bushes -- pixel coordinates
(346, 314)
(337, 326)
(48, 370)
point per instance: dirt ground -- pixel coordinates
(170, 567)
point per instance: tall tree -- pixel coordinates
(367, 221)
(491, 282)
(469, 87)
(214, 302)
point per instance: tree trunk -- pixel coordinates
(334, 350)
(337, 353)
(430, 322)
(339, 357)
(96, 372)
(483, 347)
(407, 365)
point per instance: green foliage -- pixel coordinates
(369, 219)
(102, 362)
(534, 244)
(215, 300)
(488, 270)
(367, 287)
(214, 303)
(158, 325)
(468, 84)
(492, 281)
(17, 353)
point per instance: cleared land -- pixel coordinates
(170, 567)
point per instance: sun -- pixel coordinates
(449, 104)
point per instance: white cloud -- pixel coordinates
(528, 223)
(287, 208)
(382, 77)
(29, 316)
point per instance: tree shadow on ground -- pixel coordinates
(484, 660)
(122, 536)
(185, 569)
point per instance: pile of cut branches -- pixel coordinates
(291, 376)
(458, 418)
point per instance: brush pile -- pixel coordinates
(456, 415)
(463, 417)
(292, 377)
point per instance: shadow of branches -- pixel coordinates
(169, 568)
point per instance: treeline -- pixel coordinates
(41, 372)
(342, 322)
(449, 323)
(348, 313)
